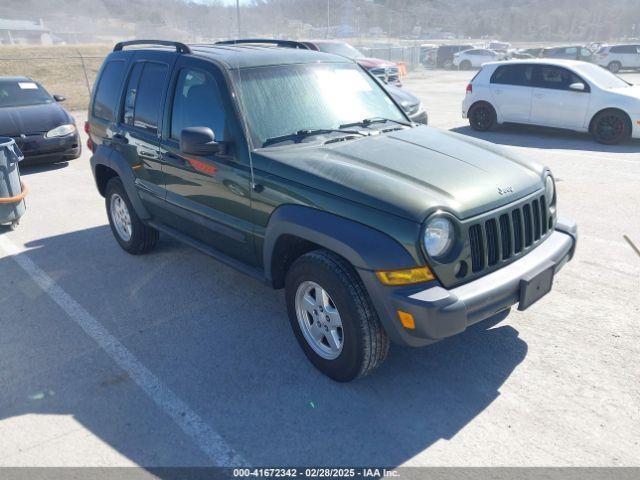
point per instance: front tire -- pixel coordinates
(132, 235)
(465, 65)
(332, 317)
(610, 127)
(482, 116)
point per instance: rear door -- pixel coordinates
(554, 104)
(511, 91)
(208, 196)
(137, 134)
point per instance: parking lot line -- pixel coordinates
(205, 437)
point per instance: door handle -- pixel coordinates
(498, 92)
(538, 95)
(148, 154)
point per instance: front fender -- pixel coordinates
(364, 247)
(116, 162)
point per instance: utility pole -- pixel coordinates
(238, 18)
(327, 34)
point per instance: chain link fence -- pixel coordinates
(62, 70)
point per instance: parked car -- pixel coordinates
(385, 70)
(475, 57)
(554, 93)
(497, 46)
(444, 55)
(43, 130)
(411, 104)
(528, 53)
(617, 57)
(367, 221)
(573, 52)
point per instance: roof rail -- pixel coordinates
(180, 47)
(267, 41)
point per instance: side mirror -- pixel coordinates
(59, 98)
(199, 141)
(578, 87)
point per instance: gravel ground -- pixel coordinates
(172, 359)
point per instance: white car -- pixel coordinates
(475, 57)
(617, 57)
(565, 94)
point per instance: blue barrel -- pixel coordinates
(12, 205)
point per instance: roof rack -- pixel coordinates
(180, 47)
(266, 41)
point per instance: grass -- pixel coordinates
(58, 68)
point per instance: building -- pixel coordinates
(24, 32)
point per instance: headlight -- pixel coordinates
(438, 236)
(61, 131)
(549, 190)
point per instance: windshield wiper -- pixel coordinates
(369, 121)
(300, 134)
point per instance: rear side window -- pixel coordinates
(520, 75)
(624, 49)
(144, 96)
(108, 90)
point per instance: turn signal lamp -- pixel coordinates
(405, 277)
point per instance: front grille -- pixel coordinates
(508, 234)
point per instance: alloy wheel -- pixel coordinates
(319, 320)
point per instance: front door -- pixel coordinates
(208, 196)
(554, 104)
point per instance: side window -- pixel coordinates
(624, 49)
(197, 103)
(520, 75)
(108, 90)
(557, 78)
(132, 89)
(148, 98)
(585, 52)
(573, 51)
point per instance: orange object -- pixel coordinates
(17, 198)
(405, 277)
(402, 68)
(407, 320)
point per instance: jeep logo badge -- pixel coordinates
(505, 190)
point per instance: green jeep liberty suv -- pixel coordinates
(299, 169)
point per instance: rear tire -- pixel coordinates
(614, 67)
(482, 116)
(133, 236)
(610, 127)
(362, 342)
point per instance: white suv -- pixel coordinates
(617, 57)
(555, 93)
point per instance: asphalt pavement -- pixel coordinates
(172, 359)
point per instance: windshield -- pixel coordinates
(282, 99)
(601, 77)
(342, 49)
(15, 93)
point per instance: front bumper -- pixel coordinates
(441, 313)
(38, 149)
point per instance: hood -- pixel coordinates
(374, 63)
(411, 172)
(402, 96)
(32, 119)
